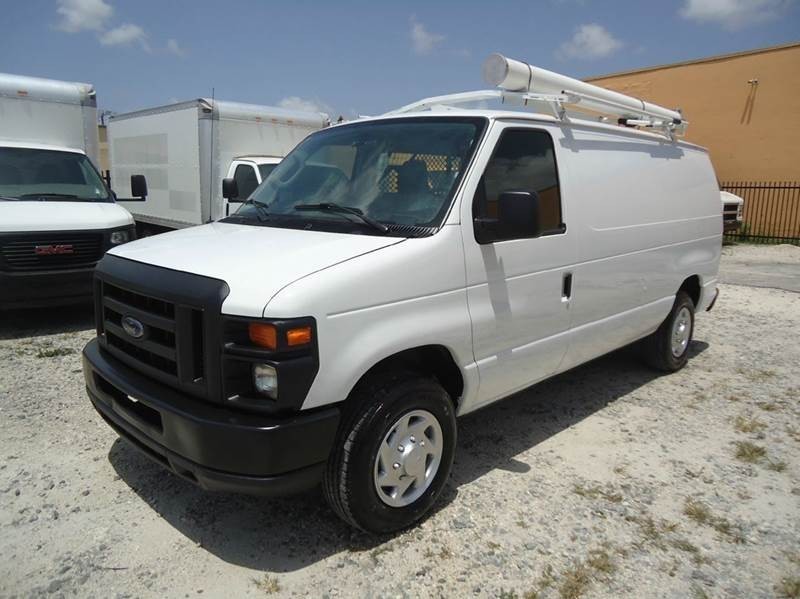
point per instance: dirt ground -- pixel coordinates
(607, 481)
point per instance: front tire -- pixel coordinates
(667, 349)
(393, 453)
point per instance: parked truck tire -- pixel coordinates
(667, 349)
(393, 453)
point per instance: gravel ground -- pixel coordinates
(607, 481)
(761, 266)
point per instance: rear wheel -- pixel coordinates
(667, 348)
(393, 453)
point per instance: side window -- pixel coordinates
(246, 181)
(524, 160)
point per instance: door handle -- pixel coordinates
(566, 287)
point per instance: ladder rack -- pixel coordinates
(537, 89)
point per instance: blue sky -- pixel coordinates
(359, 57)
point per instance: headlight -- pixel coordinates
(265, 380)
(118, 237)
(739, 212)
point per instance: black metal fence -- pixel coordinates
(771, 212)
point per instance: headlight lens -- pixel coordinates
(118, 237)
(739, 212)
(265, 379)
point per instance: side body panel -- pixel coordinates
(402, 296)
(646, 216)
(165, 148)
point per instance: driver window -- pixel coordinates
(524, 160)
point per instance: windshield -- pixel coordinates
(29, 174)
(399, 173)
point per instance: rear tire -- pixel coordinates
(667, 349)
(398, 427)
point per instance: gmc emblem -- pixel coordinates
(53, 250)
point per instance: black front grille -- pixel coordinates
(56, 251)
(170, 348)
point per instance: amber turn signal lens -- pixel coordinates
(299, 336)
(265, 335)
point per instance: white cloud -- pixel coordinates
(732, 14)
(589, 41)
(125, 35)
(297, 103)
(422, 40)
(83, 15)
(174, 47)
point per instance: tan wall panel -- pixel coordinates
(752, 131)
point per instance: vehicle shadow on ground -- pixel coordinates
(35, 322)
(283, 535)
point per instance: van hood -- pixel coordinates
(23, 216)
(256, 262)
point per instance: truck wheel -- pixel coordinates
(668, 348)
(393, 453)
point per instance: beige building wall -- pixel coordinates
(102, 134)
(751, 129)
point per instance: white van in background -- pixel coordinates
(396, 272)
(732, 211)
(185, 150)
(57, 216)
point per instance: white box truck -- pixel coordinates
(185, 150)
(397, 272)
(57, 215)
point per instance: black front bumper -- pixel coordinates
(217, 448)
(33, 289)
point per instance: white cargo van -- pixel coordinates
(394, 273)
(57, 216)
(185, 150)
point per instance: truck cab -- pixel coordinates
(732, 211)
(248, 172)
(57, 219)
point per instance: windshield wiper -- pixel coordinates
(261, 209)
(9, 199)
(337, 209)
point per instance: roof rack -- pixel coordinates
(526, 86)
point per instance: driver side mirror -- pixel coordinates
(230, 189)
(139, 187)
(517, 218)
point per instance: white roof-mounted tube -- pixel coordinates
(516, 76)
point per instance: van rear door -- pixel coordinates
(519, 290)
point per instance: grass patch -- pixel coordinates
(770, 406)
(492, 545)
(443, 553)
(600, 560)
(749, 452)
(757, 375)
(653, 531)
(52, 352)
(268, 584)
(788, 588)
(746, 424)
(575, 581)
(701, 513)
(595, 492)
(699, 593)
(776, 465)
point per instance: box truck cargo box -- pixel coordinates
(186, 149)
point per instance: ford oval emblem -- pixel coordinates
(133, 327)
